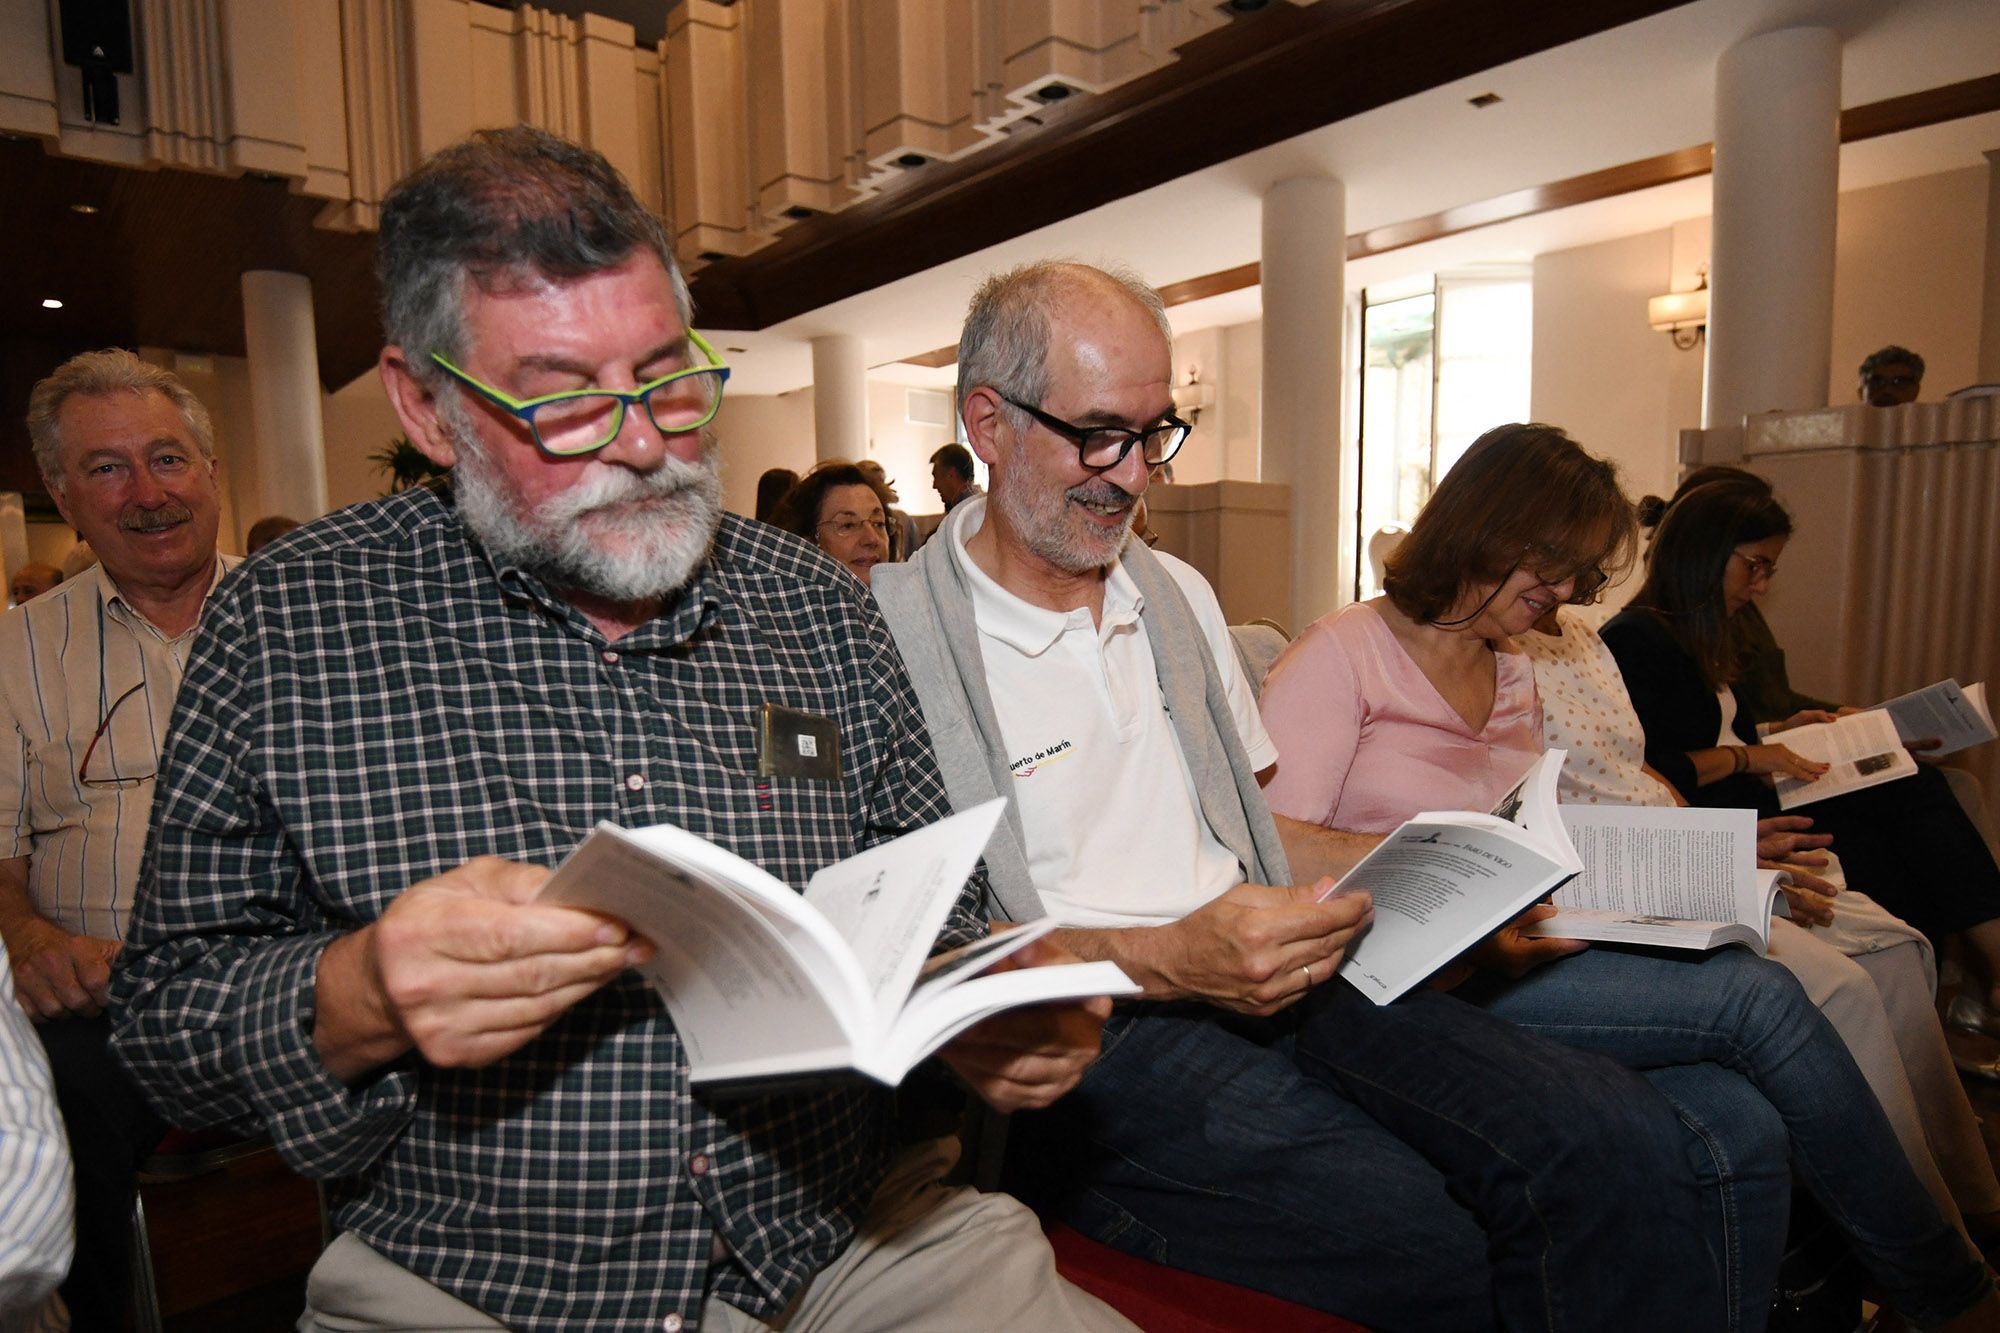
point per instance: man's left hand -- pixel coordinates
(1026, 1058)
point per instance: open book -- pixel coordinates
(1678, 877)
(1947, 712)
(1861, 749)
(1445, 880)
(766, 985)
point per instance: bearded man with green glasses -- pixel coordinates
(418, 705)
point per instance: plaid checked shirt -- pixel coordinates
(375, 703)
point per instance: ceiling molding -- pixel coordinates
(1299, 67)
(1932, 106)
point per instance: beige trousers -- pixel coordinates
(926, 1257)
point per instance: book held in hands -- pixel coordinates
(769, 986)
(1445, 880)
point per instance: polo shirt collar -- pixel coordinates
(114, 600)
(1029, 629)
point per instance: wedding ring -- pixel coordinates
(1309, 976)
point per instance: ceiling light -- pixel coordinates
(50, 303)
(85, 209)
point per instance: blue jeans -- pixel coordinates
(1748, 1014)
(1475, 1176)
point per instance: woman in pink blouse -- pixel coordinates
(1419, 700)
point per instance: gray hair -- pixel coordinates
(99, 375)
(1005, 343)
(503, 207)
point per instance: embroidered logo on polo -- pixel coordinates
(1025, 766)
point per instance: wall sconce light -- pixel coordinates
(1192, 396)
(1682, 314)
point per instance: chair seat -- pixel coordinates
(1165, 1300)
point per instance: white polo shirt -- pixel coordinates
(1114, 826)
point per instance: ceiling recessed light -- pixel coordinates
(1053, 92)
(50, 303)
(85, 209)
(911, 160)
(1484, 100)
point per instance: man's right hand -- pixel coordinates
(1258, 947)
(465, 968)
(57, 974)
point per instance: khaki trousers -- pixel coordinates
(926, 1257)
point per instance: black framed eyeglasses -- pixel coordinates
(582, 421)
(1101, 447)
(1585, 582)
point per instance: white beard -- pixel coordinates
(617, 534)
(1044, 524)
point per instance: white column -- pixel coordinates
(840, 397)
(284, 396)
(1777, 182)
(1989, 316)
(1304, 285)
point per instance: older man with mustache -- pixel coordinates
(88, 676)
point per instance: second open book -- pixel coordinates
(1682, 878)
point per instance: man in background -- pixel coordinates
(1891, 377)
(31, 581)
(88, 677)
(951, 475)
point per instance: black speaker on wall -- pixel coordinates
(97, 39)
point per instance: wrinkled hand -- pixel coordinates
(1786, 838)
(60, 975)
(1026, 1058)
(1809, 908)
(1772, 758)
(1261, 947)
(1512, 952)
(469, 968)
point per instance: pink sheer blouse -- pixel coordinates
(1365, 740)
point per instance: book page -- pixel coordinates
(739, 984)
(1438, 887)
(936, 1015)
(1958, 717)
(889, 902)
(1535, 807)
(1679, 862)
(1863, 749)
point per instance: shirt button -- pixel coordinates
(608, 657)
(698, 1164)
(634, 781)
(672, 1323)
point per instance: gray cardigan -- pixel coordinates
(929, 609)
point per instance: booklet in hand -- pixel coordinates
(1956, 717)
(767, 986)
(1860, 750)
(1445, 880)
(1674, 877)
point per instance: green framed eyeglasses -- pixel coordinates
(582, 421)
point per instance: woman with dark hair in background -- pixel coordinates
(771, 488)
(1682, 649)
(836, 507)
(1420, 700)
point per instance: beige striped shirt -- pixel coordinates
(69, 664)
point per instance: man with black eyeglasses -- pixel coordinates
(88, 676)
(1465, 1174)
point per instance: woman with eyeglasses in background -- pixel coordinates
(1689, 650)
(1421, 700)
(839, 509)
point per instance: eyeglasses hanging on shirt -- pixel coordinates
(117, 766)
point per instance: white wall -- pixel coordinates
(760, 431)
(1590, 317)
(358, 421)
(904, 447)
(1907, 267)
